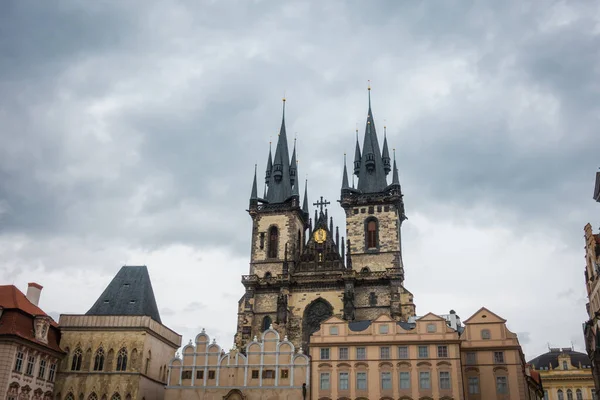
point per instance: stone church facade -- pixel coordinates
(301, 271)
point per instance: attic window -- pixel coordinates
(131, 301)
(105, 301)
(484, 316)
(126, 285)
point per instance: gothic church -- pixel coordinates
(301, 271)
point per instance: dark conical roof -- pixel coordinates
(129, 293)
(371, 181)
(345, 184)
(305, 202)
(385, 154)
(395, 179)
(254, 193)
(280, 187)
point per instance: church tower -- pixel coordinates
(300, 272)
(374, 215)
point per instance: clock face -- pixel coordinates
(320, 235)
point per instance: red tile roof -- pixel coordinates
(17, 317)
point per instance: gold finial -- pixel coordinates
(369, 87)
(283, 96)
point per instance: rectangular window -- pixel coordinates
(285, 374)
(254, 374)
(30, 365)
(386, 380)
(423, 352)
(325, 354)
(211, 374)
(268, 374)
(442, 351)
(200, 374)
(19, 361)
(383, 329)
(361, 381)
(384, 353)
(471, 358)
(52, 372)
(404, 380)
(333, 330)
(402, 352)
(343, 353)
(430, 328)
(473, 385)
(186, 374)
(499, 357)
(501, 385)
(424, 380)
(361, 353)
(344, 384)
(444, 380)
(324, 381)
(42, 370)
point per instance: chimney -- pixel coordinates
(33, 292)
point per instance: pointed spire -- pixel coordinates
(371, 177)
(357, 156)
(280, 188)
(385, 154)
(345, 184)
(294, 169)
(254, 193)
(269, 167)
(395, 179)
(305, 203)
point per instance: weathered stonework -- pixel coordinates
(149, 345)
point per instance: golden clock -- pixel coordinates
(320, 235)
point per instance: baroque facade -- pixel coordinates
(566, 373)
(424, 359)
(591, 327)
(118, 350)
(29, 346)
(301, 271)
(269, 369)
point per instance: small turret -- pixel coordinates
(269, 167)
(305, 202)
(395, 179)
(345, 184)
(385, 154)
(293, 166)
(254, 193)
(357, 157)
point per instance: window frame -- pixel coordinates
(503, 384)
(405, 381)
(486, 334)
(347, 380)
(402, 355)
(343, 353)
(361, 353)
(427, 376)
(426, 354)
(384, 329)
(19, 361)
(499, 357)
(273, 244)
(369, 236)
(442, 351)
(384, 353)
(473, 384)
(442, 381)
(324, 353)
(42, 369)
(333, 330)
(30, 365)
(471, 358)
(326, 375)
(52, 372)
(388, 378)
(366, 380)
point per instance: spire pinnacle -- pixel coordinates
(357, 156)
(305, 203)
(395, 179)
(369, 90)
(345, 184)
(385, 154)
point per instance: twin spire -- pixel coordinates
(371, 166)
(281, 177)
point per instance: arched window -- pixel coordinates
(365, 270)
(579, 394)
(565, 366)
(121, 363)
(371, 234)
(569, 394)
(299, 241)
(99, 360)
(69, 396)
(561, 396)
(116, 396)
(92, 396)
(76, 362)
(273, 242)
(267, 321)
(268, 275)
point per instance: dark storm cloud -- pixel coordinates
(136, 125)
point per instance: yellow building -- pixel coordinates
(566, 374)
(270, 369)
(591, 327)
(118, 350)
(424, 359)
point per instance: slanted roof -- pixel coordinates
(482, 316)
(597, 188)
(551, 358)
(13, 298)
(129, 293)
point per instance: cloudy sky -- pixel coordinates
(130, 130)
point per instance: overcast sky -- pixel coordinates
(129, 132)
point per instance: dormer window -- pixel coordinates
(41, 325)
(565, 365)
